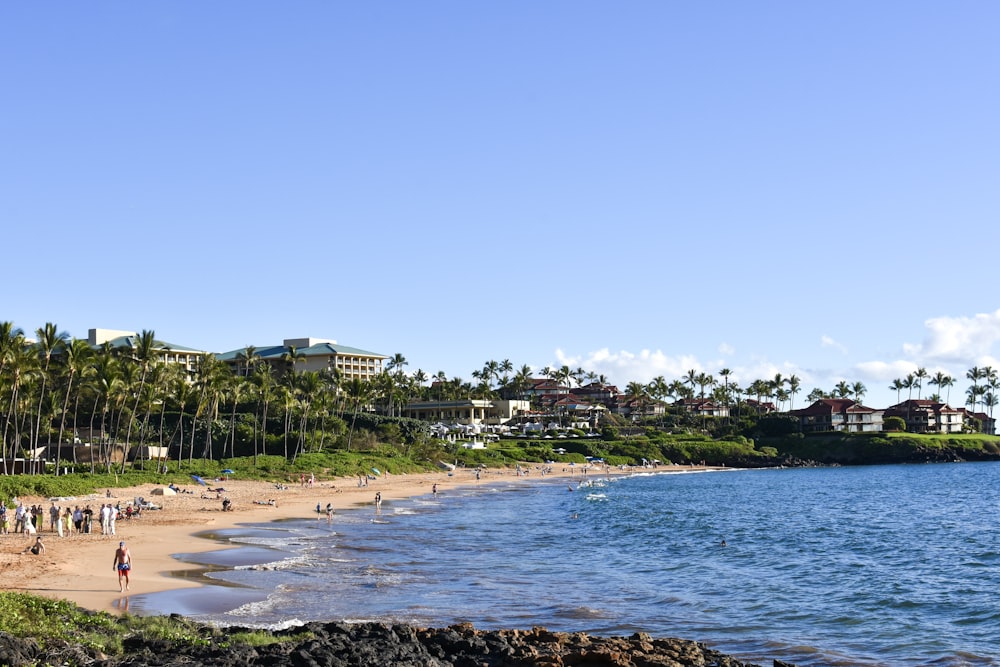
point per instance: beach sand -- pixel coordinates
(80, 567)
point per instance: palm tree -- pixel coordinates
(973, 394)
(974, 374)
(842, 390)
(11, 340)
(637, 394)
(897, 386)
(263, 380)
(948, 381)
(77, 360)
(859, 390)
(289, 358)
(358, 392)
(108, 378)
(691, 378)
(941, 380)
(50, 342)
(816, 394)
(919, 376)
(246, 361)
(990, 400)
(704, 380)
(22, 366)
(725, 373)
(794, 387)
(396, 362)
(144, 354)
(522, 379)
(909, 382)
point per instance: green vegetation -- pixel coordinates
(125, 416)
(58, 622)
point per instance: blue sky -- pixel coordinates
(636, 188)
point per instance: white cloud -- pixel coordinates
(884, 371)
(623, 366)
(965, 340)
(726, 349)
(826, 341)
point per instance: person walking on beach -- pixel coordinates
(123, 563)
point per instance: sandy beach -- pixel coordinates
(80, 567)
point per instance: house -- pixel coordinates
(467, 411)
(595, 392)
(579, 410)
(544, 386)
(637, 407)
(838, 414)
(927, 416)
(978, 422)
(703, 407)
(167, 353)
(311, 354)
(762, 407)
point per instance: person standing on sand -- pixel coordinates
(123, 563)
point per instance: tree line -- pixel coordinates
(56, 387)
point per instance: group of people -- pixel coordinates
(25, 519)
(63, 520)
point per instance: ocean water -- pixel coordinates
(886, 565)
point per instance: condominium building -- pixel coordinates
(167, 353)
(309, 354)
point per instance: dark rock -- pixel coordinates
(387, 645)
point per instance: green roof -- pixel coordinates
(129, 342)
(318, 350)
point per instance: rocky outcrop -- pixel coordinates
(387, 645)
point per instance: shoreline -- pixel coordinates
(79, 568)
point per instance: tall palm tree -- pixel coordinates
(78, 357)
(975, 374)
(909, 382)
(859, 390)
(396, 363)
(506, 369)
(289, 358)
(794, 387)
(264, 382)
(358, 392)
(108, 379)
(144, 350)
(725, 373)
(11, 341)
(897, 386)
(940, 380)
(50, 342)
(691, 378)
(842, 390)
(919, 376)
(246, 361)
(21, 367)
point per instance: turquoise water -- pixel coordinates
(889, 565)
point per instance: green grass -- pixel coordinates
(53, 623)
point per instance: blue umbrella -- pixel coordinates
(199, 480)
(227, 471)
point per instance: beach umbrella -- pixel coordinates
(199, 480)
(376, 471)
